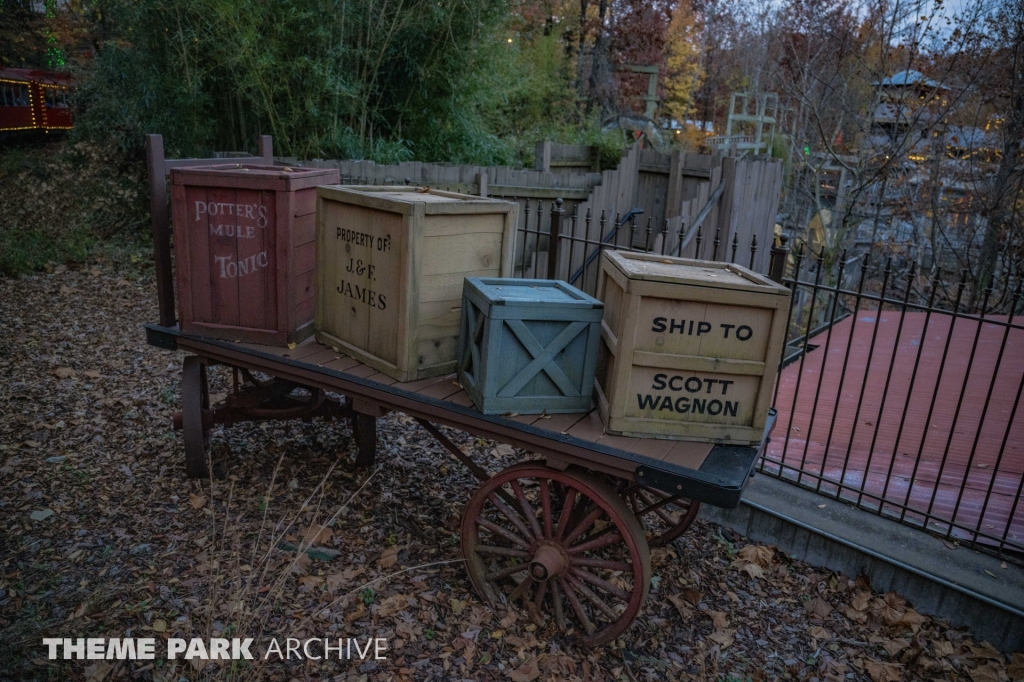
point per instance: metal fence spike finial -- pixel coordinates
(753, 250)
(735, 245)
(714, 252)
(664, 237)
(699, 239)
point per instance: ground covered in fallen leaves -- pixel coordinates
(103, 536)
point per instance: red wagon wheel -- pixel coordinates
(561, 541)
(195, 399)
(664, 516)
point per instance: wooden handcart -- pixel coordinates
(566, 536)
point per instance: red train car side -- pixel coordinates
(32, 99)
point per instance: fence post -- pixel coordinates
(542, 156)
(779, 257)
(557, 213)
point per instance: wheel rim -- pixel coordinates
(664, 516)
(195, 397)
(561, 542)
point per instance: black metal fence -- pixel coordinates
(897, 391)
(553, 244)
(900, 394)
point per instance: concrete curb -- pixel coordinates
(962, 586)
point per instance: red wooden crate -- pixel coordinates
(245, 250)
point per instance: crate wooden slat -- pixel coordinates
(390, 266)
(690, 349)
(244, 248)
(528, 345)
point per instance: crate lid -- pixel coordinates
(657, 268)
(530, 292)
(253, 176)
(401, 199)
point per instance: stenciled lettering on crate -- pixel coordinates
(690, 349)
(245, 249)
(391, 263)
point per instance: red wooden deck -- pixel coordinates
(867, 441)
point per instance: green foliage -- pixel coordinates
(326, 78)
(531, 97)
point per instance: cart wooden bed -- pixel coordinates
(567, 535)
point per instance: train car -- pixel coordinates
(33, 99)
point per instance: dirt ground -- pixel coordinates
(103, 536)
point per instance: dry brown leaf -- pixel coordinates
(97, 671)
(355, 614)
(761, 555)
(64, 373)
(557, 664)
(991, 672)
(409, 629)
(1015, 671)
(392, 605)
(389, 558)
(861, 601)
(197, 501)
(458, 606)
(983, 651)
(912, 619)
(892, 608)
(944, 648)
(317, 535)
(855, 615)
(300, 565)
(894, 646)
(753, 570)
(527, 642)
(684, 608)
(818, 632)
(724, 638)
(159, 625)
(691, 595)
(883, 672)
(718, 618)
(309, 582)
(527, 672)
(818, 607)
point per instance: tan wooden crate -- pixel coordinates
(390, 267)
(689, 349)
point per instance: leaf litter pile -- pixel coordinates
(104, 537)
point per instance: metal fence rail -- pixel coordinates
(555, 245)
(903, 407)
(895, 393)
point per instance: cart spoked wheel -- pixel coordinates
(665, 517)
(562, 543)
(195, 400)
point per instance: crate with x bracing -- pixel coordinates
(528, 345)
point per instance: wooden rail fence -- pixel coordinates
(694, 205)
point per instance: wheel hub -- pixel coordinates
(548, 561)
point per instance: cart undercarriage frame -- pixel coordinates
(569, 536)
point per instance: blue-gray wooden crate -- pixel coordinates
(528, 345)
